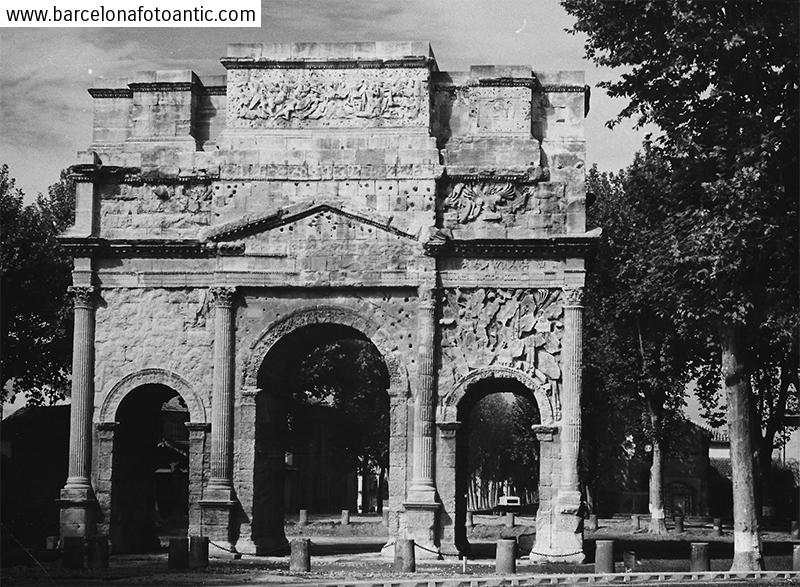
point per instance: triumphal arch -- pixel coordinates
(439, 215)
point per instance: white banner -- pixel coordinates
(130, 13)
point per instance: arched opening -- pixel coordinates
(497, 453)
(150, 471)
(322, 429)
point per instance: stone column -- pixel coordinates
(77, 498)
(568, 535)
(218, 498)
(246, 457)
(421, 507)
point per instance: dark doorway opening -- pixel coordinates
(150, 476)
(322, 429)
(497, 453)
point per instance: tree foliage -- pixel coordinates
(35, 272)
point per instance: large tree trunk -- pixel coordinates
(381, 481)
(657, 525)
(746, 540)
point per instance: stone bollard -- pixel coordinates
(198, 552)
(592, 522)
(97, 548)
(718, 526)
(345, 517)
(73, 550)
(509, 519)
(701, 557)
(470, 520)
(51, 543)
(300, 558)
(178, 557)
(404, 560)
(385, 514)
(795, 532)
(506, 556)
(629, 561)
(604, 556)
(635, 522)
(678, 524)
(796, 558)
(302, 518)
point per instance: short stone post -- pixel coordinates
(97, 552)
(718, 526)
(73, 549)
(345, 517)
(404, 560)
(470, 520)
(198, 552)
(679, 524)
(701, 560)
(385, 514)
(604, 556)
(592, 522)
(795, 530)
(178, 557)
(635, 522)
(302, 518)
(51, 543)
(505, 562)
(796, 558)
(629, 561)
(509, 519)
(300, 557)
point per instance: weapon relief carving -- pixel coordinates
(487, 201)
(519, 328)
(324, 98)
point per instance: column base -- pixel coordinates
(218, 525)
(420, 523)
(559, 531)
(78, 511)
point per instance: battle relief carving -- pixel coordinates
(518, 328)
(320, 98)
(487, 201)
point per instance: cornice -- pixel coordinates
(563, 88)
(580, 246)
(163, 86)
(100, 247)
(110, 92)
(339, 63)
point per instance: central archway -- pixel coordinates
(294, 469)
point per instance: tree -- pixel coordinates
(636, 346)
(35, 274)
(720, 80)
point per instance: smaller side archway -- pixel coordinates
(150, 440)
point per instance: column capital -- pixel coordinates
(84, 296)
(222, 296)
(573, 296)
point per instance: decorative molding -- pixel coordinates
(147, 248)
(516, 248)
(198, 426)
(111, 93)
(128, 383)
(563, 88)
(163, 86)
(339, 63)
(512, 82)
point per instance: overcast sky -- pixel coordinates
(45, 111)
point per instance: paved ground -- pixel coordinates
(348, 559)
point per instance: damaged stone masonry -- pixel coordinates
(438, 214)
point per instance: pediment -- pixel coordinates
(305, 214)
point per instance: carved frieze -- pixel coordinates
(325, 98)
(518, 328)
(485, 200)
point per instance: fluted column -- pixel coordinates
(222, 393)
(78, 502)
(422, 487)
(572, 359)
(82, 398)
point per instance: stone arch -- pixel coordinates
(338, 315)
(153, 375)
(448, 405)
